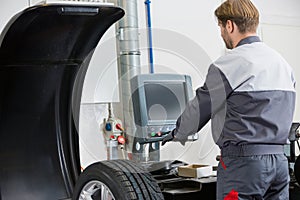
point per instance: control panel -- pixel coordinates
(157, 131)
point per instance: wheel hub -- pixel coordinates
(96, 190)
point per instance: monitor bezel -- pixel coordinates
(139, 98)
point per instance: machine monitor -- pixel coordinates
(158, 100)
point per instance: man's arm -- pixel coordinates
(208, 100)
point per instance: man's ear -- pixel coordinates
(229, 26)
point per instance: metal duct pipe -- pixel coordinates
(129, 60)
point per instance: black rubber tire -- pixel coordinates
(127, 180)
(297, 169)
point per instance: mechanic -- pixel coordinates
(249, 95)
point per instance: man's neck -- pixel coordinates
(240, 37)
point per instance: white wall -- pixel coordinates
(8, 9)
(101, 86)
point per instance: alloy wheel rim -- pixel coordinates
(91, 189)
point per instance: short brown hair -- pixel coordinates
(242, 12)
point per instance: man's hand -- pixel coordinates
(169, 137)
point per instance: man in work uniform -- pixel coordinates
(249, 96)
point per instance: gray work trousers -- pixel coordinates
(259, 177)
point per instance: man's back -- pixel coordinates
(261, 99)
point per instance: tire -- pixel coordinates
(119, 180)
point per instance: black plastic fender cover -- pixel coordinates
(44, 55)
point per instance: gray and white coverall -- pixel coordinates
(249, 95)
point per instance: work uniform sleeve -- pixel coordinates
(209, 99)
